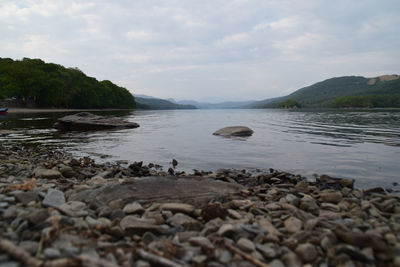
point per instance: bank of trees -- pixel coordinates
(51, 85)
(368, 101)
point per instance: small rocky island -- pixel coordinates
(234, 131)
(56, 210)
(85, 121)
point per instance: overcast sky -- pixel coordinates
(207, 50)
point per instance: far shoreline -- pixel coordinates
(47, 110)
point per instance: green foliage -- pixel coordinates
(54, 86)
(368, 101)
(290, 103)
(323, 94)
(156, 103)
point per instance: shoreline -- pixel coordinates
(48, 110)
(56, 209)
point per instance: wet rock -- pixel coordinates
(86, 121)
(54, 198)
(201, 241)
(291, 259)
(226, 230)
(234, 131)
(47, 174)
(276, 263)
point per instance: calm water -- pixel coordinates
(364, 145)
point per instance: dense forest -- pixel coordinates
(51, 85)
(324, 94)
(368, 101)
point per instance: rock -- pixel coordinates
(307, 252)
(226, 230)
(201, 241)
(276, 263)
(52, 253)
(331, 196)
(133, 208)
(361, 239)
(116, 204)
(234, 131)
(193, 190)
(267, 251)
(86, 121)
(293, 225)
(178, 207)
(213, 210)
(74, 209)
(245, 244)
(49, 174)
(187, 222)
(30, 246)
(54, 198)
(302, 186)
(291, 259)
(133, 225)
(37, 216)
(26, 197)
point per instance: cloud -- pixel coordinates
(193, 49)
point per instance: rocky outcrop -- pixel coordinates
(86, 121)
(234, 131)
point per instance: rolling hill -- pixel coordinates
(146, 102)
(323, 94)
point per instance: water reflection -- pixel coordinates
(355, 144)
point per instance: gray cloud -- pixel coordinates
(207, 49)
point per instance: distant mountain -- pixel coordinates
(222, 105)
(323, 94)
(156, 103)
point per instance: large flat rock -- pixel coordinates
(85, 121)
(193, 190)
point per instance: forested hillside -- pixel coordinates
(51, 85)
(156, 103)
(325, 93)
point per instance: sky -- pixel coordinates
(209, 50)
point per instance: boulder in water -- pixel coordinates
(234, 131)
(86, 121)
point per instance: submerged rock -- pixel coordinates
(234, 131)
(86, 121)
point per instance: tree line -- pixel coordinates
(51, 85)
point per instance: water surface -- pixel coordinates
(364, 145)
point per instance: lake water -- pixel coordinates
(364, 145)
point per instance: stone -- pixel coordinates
(291, 259)
(226, 230)
(86, 121)
(74, 209)
(302, 186)
(26, 197)
(234, 131)
(201, 241)
(186, 221)
(37, 216)
(245, 244)
(54, 198)
(276, 263)
(96, 181)
(331, 196)
(116, 204)
(234, 214)
(52, 253)
(293, 225)
(213, 210)
(133, 208)
(267, 251)
(307, 252)
(178, 207)
(133, 225)
(50, 174)
(30, 246)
